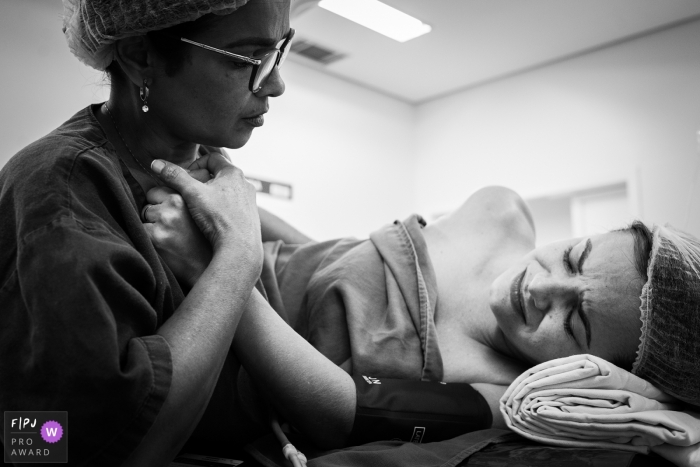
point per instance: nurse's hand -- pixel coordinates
(223, 209)
(175, 236)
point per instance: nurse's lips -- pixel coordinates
(256, 120)
(516, 295)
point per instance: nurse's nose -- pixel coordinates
(549, 290)
(273, 86)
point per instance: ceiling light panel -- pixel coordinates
(378, 17)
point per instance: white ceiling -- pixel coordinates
(476, 41)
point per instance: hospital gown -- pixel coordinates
(367, 305)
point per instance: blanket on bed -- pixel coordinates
(485, 448)
(367, 305)
(585, 401)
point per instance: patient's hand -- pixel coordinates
(173, 232)
(175, 236)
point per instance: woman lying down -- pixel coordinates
(467, 299)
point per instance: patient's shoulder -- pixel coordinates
(499, 208)
(493, 224)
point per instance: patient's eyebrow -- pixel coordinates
(584, 255)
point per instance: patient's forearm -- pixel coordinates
(311, 392)
(273, 228)
(493, 393)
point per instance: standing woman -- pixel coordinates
(92, 320)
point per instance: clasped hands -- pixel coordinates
(206, 209)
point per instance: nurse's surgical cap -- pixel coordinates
(92, 26)
(669, 350)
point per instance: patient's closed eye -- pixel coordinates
(566, 260)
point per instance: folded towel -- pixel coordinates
(585, 401)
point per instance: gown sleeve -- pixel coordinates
(77, 334)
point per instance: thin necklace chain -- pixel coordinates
(127, 146)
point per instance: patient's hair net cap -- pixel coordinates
(92, 26)
(669, 350)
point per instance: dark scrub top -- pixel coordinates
(82, 292)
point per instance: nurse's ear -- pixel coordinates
(136, 58)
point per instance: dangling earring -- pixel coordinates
(143, 92)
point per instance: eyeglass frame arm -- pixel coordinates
(252, 61)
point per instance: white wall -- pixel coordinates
(632, 110)
(346, 150)
(552, 218)
(41, 83)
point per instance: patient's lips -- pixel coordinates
(516, 295)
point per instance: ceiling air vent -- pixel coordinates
(315, 52)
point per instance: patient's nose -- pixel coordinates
(548, 290)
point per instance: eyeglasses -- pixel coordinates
(262, 67)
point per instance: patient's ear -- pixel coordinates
(136, 58)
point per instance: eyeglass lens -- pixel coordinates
(276, 57)
(285, 52)
(265, 68)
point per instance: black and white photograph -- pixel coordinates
(350, 233)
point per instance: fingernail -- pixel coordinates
(157, 166)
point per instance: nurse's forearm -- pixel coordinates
(199, 335)
(311, 392)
